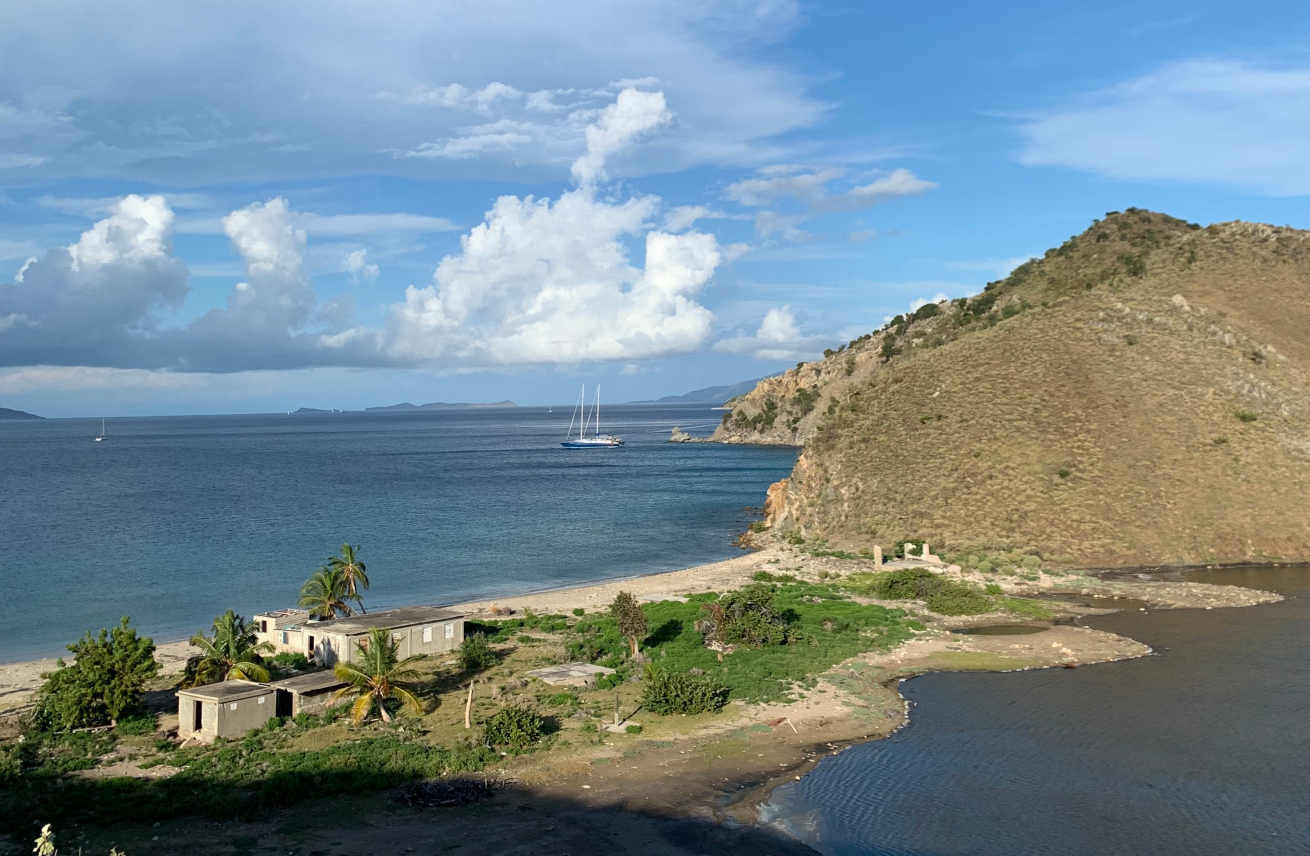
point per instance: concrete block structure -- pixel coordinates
(228, 709)
(418, 629)
(311, 693)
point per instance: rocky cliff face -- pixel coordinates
(1139, 396)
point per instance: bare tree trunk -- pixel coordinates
(468, 708)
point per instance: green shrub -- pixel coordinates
(1134, 265)
(106, 680)
(747, 616)
(956, 599)
(11, 767)
(1032, 563)
(579, 611)
(634, 728)
(942, 596)
(1245, 416)
(513, 726)
(609, 682)
(985, 567)
(667, 693)
(804, 400)
(287, 660)
(475, 654)
(137, 723)
(758, 526)
(992, 588)
(562, 700)
(524, 639)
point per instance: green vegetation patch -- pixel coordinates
(943, 596)
(243, 778)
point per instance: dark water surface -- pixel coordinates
(1203, 749)
(173, 520)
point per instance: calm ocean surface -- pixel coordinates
(1202, 750)
(172, 520)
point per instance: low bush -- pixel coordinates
(748, 616)
(668, 693)
(138, 723)
(609, 682)
(579, 611)
(106, 680)
(514, 727)
(287, 660)
(475, 654)
(942, 596)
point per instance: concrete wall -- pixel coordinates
(186, 718)
(315, 702)
(229, 719)
(235, 718)
(333, 647)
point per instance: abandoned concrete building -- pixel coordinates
(227, 709)
(418, 629)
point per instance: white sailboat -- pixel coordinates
(582, 441)
(103, 434)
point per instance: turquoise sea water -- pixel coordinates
(173, 520)
(1200, 750)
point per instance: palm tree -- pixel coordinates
(234, 654)
(378, 677)
(325, 594)
(352, 571)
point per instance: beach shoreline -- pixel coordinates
(725, 767)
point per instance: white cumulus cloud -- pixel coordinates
(779, 337)
(542, 281)
(633, 114)
(356, 264)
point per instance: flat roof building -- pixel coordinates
(228, 709)
(418, 629)
(311, 693)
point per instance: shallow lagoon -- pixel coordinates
(1202, 749)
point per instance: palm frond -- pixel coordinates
(407, 700)
(360, 709)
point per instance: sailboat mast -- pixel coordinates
(597, 410)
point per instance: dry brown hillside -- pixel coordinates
(1136, 397)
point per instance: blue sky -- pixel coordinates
(236, 207)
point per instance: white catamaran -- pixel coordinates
(596, 441)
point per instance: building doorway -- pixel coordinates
(199, 716)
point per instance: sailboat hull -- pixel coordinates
(593, 443)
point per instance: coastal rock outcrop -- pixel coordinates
(680, 436)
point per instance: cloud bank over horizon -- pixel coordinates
(539, 281)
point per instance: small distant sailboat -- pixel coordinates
(596, 441)
(103, 434)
